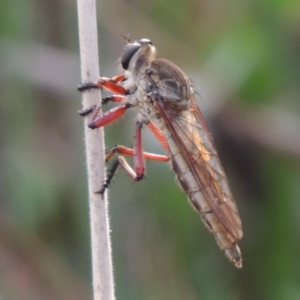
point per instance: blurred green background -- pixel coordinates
(244, 57)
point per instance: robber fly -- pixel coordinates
(167, 106)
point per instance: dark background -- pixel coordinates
(244, 58)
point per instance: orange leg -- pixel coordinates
(159, 135)
(106, 118)
(137, 152)
(128, 151)
(110, 84)
(111, 115)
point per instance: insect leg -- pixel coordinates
(106, 118)
(94, 109)
(137, 152)
(86, 111)
(138, 144)
(158, 134)
(138, 158)
(112, 98)
(128, 151)
(117, 78)
(120, 149)
(112, 171)
(110, 84)
(138, 173)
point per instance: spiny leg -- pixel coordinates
(139, 165)
(108, 83)
(106, 118)
(139, 155)
(86, 111)
(123, 162)
(111, 84)
(94, 109)
(109, 117)
(112, 171)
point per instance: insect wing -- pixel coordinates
(195, 143)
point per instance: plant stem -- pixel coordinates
(103, 285)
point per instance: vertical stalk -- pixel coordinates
(103, 285)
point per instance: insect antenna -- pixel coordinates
(127, 38)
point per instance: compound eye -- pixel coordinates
(128, 53)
